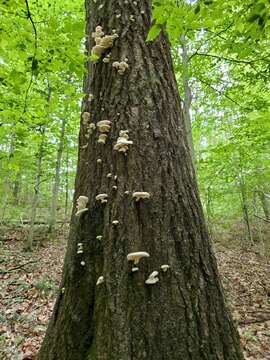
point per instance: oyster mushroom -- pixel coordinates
(138, 195)
(137, 256)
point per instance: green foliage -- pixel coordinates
(46, 286)
(41, 71)
(227, 67)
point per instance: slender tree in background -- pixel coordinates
(40, 154)
(183, 315)
(55, 189)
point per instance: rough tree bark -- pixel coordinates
(184, 315)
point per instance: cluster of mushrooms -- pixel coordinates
(102, 44)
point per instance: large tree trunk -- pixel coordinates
(183, 316)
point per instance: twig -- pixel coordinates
(19, 266)
(262, 218)
(219, 92)
(253, 321)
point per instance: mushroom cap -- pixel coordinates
(152, 281)
(137, 195)
(136, 256)
(104, 122)
(134, 269)
(153, 274)
(79, 212)
(101, 196)
(164, 267)
(121, 143)
(100, 280)
(82, 199)
(115, 222)
(102, 139)
(99, 237)
(86, 115)
(98, 28)
(109, 175)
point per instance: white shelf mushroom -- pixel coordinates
(109, 175)
(121, 66)
(98, 32)
(79, 248)
(135, 269)
(152, 279)
(100, 280)
(165, 267)
(138, 195)
(78, 213)
(81, 205)
(114, 187)
(102, 139)
(99, 237)
(83, 263)
(123, 141)
(137, 256)
(115, 222)
(99, 161)
(104, 126)
(102, 198)
(86, 117)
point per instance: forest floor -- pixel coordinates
(29, 284)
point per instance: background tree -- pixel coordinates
(184, 314)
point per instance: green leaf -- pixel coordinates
(153, 33)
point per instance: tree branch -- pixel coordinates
(262, 218)
(29, 16)
(219, 92)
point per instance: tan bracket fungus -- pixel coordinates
(102, 42)
(123, 141)
(85, 118)
(81, 205)
(102, 198)
(104, 126)
(102, 139)
(121, 66)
